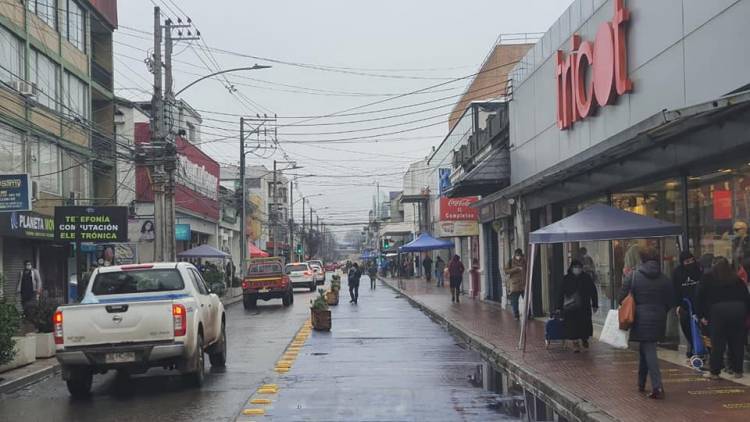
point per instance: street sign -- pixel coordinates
(15, 192)
(182, 232)
(91, 224)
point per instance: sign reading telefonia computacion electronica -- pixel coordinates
(91, 224)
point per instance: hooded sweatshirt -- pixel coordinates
(685, 280)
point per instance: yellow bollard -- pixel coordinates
(254, 411)
(260, 401)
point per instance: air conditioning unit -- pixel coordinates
(26, 89)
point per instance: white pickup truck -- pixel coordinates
(134, 317)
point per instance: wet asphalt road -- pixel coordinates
(382, 361)
(256, 340)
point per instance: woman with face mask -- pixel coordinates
(576, 301)
(685, 279)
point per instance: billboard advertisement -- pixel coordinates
(458, 209)
(91, 224)
(457, 228)
(15, 192)
(197, 178)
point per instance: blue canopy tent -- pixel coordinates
(203, 251)
(597, 222)
(425, 242)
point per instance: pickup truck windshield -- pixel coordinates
(142, 281)
(265, 268)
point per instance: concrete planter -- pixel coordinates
(25, 352)
(45, 345)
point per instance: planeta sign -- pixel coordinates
(604, 60)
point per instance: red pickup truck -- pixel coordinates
(266, 280)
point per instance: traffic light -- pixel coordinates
(386, 243)
(299, 249)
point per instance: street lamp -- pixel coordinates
(221, 72)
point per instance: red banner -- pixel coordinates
(722, 205)
(197, 178)
(458, 209)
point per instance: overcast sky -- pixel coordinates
(328, 56)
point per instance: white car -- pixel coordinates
(319, 270)
(134, 317)
(300, 273)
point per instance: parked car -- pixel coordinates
(266, 280)
(320, 272)
(300, 273)
(134, 317)
(331, 266)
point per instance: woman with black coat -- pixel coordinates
(723, 304)
(576, 300)
(654, 296)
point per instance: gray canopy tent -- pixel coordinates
(597, 222)
(203, 251)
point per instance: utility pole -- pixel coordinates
(302, 258)
(274, 208)
(157, 133)
(243, 222)
(170, 162)
(292, 246)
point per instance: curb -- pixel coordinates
(563, 401)
(231, 300)
(32, 378)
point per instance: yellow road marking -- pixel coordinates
(274, 386)
(281, 370)
(254, 411)
(260, 401)
(267, 391)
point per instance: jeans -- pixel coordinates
(649, 365)
(354, 291)
(440, 279)
(372, 281)
(514, 297)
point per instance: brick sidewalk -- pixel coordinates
(599, 384)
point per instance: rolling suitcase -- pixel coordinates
(553, 330)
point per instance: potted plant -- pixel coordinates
(16, 349)
(9, 322)
(41, 317)
(332, 297)
(319, 313)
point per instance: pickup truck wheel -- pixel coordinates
(196, 378)
(287, 299)
(79, 383)
(218, 355)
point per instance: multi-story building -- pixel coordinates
(56, 123)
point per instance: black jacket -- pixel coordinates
(685, 283)
(712, 292)
(654, 296)
(577, 324)
(353, 276)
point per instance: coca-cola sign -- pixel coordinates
(458, 209)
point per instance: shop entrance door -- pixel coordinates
(492, 258)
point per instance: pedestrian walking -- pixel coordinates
(352, 279)
(723, 304)
(427, 266)
(439, 272)
(474, 275)
(516, 271)
(456, 273)
(29, 288)
(372, 272)
(577, 301)
(654, 297)
(685, 279)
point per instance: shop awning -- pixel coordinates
(256, 252)
(602, 222)
(203, 251)
(425, 242)
(396, 229)
(489, 176)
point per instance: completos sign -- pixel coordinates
(457, 228)
(458, 209)
(15, 192)
(91, 224)
(605, 59)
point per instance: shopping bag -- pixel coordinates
(626, 313)
(611, 332)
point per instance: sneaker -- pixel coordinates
(657, 394)
(714, 377)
